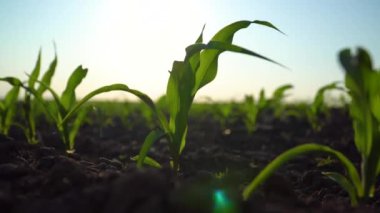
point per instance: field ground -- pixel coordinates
(101, 177)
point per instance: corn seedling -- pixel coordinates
(62, 105)
(29, 103)
(8, 107)
(251, 109)
(363, 83)
(186, 77)
(318, 105)
(222, 112)
(277, 99)
(33, 96)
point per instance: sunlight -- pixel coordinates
(136, 39)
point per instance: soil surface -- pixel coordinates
(216, 165)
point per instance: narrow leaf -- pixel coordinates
(68, 96)
(12, 81)
(152, 137)
(46, 79)
(119, 87)
(148, 161)
(10, 103)
(295, 152)
(267, 24)
(36, 72)
(75, 127)
(345, 184)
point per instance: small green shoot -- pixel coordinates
(30, 103)
(277, 99)
(319, 107)
(63, 104)
(222, 112)
(8, 108)
(251, 109)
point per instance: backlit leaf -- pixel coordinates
(345, 184)
(36, 72)
(68, 97)
(295, 152)
(152, 137)
(46, 79)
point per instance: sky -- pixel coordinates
(135, 42)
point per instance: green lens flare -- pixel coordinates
(222, 204)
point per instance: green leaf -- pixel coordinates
(250, 111)
(11, 97)
(68, 96)
(178, 93)
(46, 79)
(267, 24)
(36, 72)
(345, 184)
(10, 105)
(12, 81)
(148, 161)
(300, 150)
(194, 60)
(119, 87)
(61, 109)
(152, 137)
(209, 58)
(279, 93)
(75, 127)
(318, 103)
(207, 69)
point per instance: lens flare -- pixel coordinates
(222, 204)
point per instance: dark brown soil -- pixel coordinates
(100, 177)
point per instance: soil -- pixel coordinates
(100, 177)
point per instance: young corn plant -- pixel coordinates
(8, 108)
(277, 99)
(222, 112)
(29, 103)
(318, 105)
(62, 105)
(251, 110)
(198, 68)
(363, 83)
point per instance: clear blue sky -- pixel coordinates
(135, 41)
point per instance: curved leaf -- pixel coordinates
(68, 96)
(318, 102)
(152, 137)
(345, 184)
(12, 81)
(267, 24)
(207, 69)
(119, 87)
(293, 153)
(148, 161)
(279, 93)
